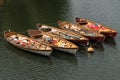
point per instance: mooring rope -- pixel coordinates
(97, 42)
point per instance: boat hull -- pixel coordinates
(78, 42)
(111, 35)
(96, 39)
(42, 52)
(67, 50)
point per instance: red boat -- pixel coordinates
(78, 29)
(108, 32)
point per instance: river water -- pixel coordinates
(20, 15)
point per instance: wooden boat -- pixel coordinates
(54, 41)
(107, 31)
(27, 43)
(70, 36)
(90, 34)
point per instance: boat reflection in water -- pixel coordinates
(110, 41)
(34, 57)
(53, 58)
(65, 57)
(98, 46)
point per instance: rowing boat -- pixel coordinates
(54, 41)
(90, 34)
(107, 31)
(26, 43)
(68, 35)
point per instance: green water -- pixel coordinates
(20, 15)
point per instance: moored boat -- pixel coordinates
(26, 43)
(107, 31)
(90, 34)
(68, 35)
(54, 41)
